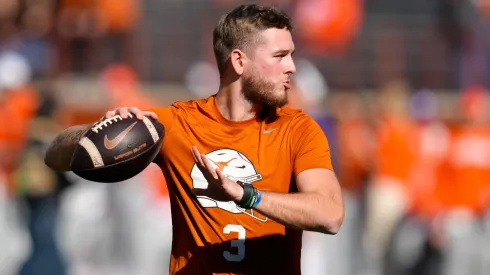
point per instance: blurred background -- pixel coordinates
(399, 87)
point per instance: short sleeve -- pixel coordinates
(166, 116)
(310, 146)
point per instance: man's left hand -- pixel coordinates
(216, 177)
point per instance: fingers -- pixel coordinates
(151, 114)
(136, 111)
(195, 154)
(126, 112)
(198, 158)
(110, 114)
(123, 112)
(203, 163)
(210, 167)
(220, 174)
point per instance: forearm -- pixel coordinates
(59, 153)
(305, 211)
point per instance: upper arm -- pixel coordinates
(312, 161)
(166, 116)
(310, 148)
(321, 181)
(323, 184)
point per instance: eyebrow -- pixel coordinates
(285, 52)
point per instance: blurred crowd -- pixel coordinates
(407, 121)
(416, 184)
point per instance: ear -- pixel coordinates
(238, 60)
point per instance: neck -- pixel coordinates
(232, 104)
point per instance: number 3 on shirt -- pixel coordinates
(239, 243)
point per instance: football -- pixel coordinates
(117, 149)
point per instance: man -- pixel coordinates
(265, 174)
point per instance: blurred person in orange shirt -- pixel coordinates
(433, 144)
(355, 141)
(419, 225)
(387, 193)
(355, 148)
(470, 154)
(469, 203)
(18, 105)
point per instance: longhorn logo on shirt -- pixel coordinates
(235, 166)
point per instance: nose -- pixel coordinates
(290, 66)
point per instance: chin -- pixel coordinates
(279, 101)
(283, 97)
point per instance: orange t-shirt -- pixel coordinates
(212, 235)
(395, 149)
(428, 181)
(18, 107)
(354, 153)
(470, 161)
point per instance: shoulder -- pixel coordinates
(296, 118)
(300, 125)
(183, 107)
(189, 104)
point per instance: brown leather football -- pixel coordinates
(117, 149)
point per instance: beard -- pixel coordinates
(263, 93)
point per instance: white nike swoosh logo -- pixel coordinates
(269, 131)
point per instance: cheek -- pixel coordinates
(269, 66)
(265, 68)
(272, 72)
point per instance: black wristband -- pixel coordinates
(249, 195)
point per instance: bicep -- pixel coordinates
(323, 193)
(312, 162)
(318, 180)
(166, 116)
(310, 147)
